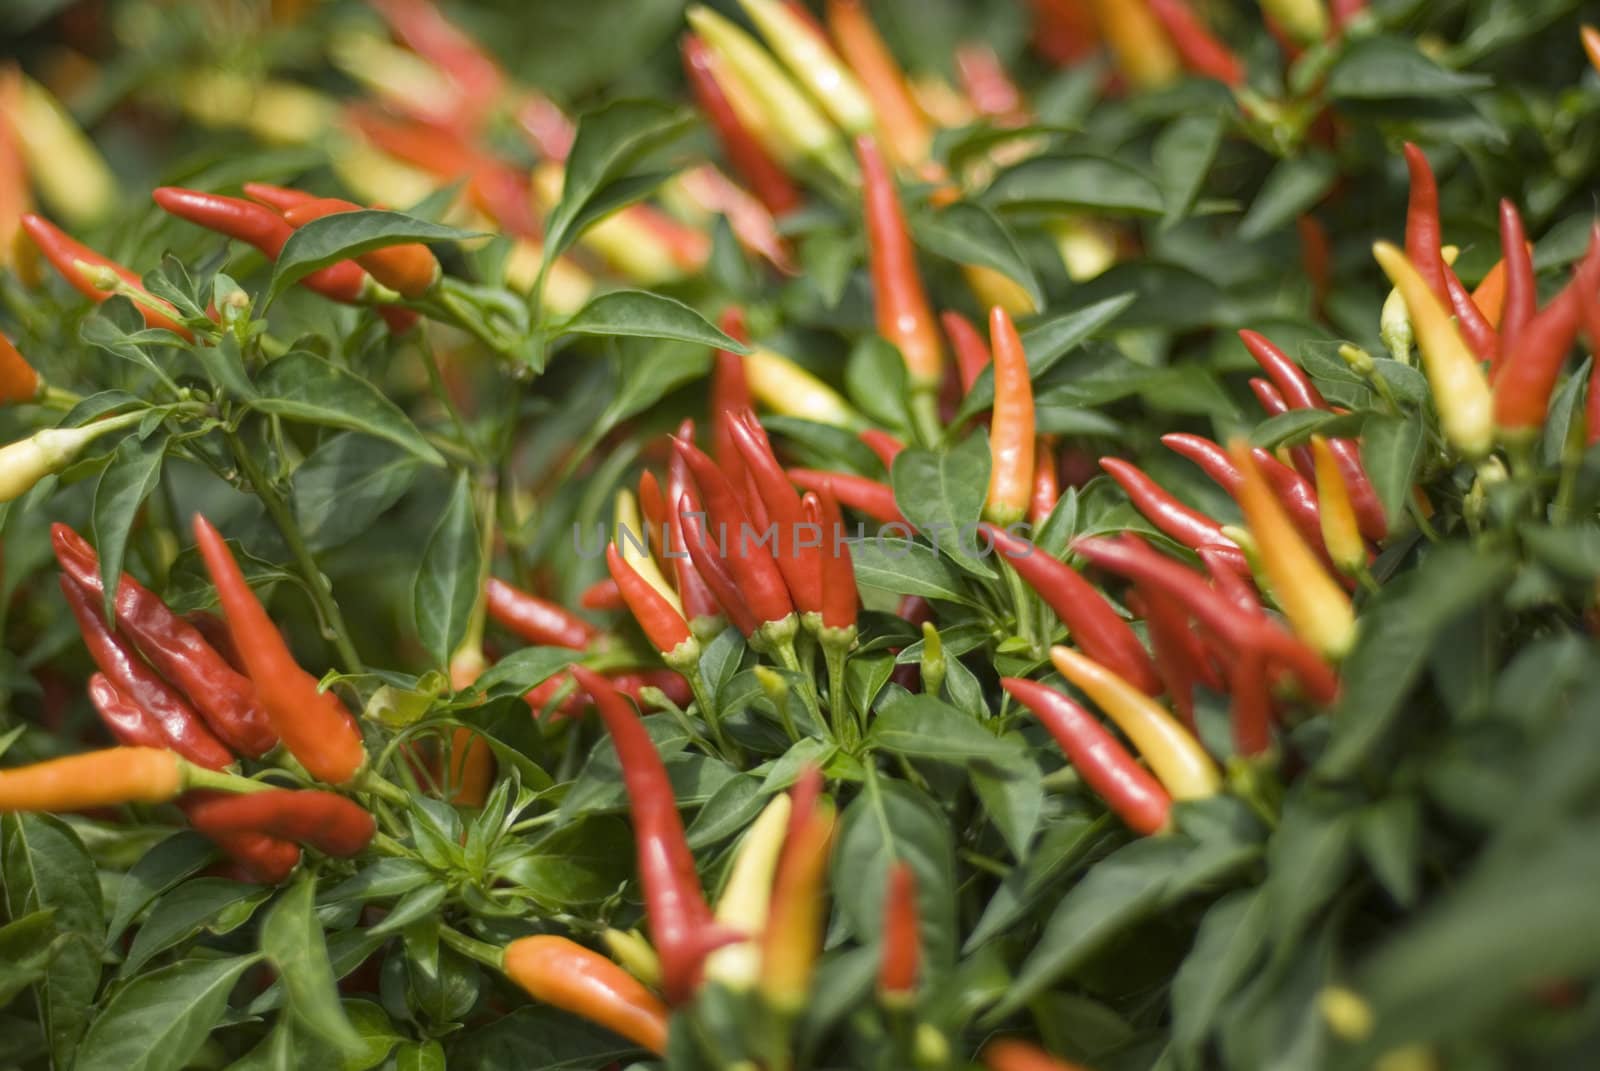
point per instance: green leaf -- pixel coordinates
(1298, 425)
(1227, 945)
(1391, 451)
(1296, 184)
(158, 1022)
(449, 575)
(1382, 68)
(581, 863)
(27, 945)
(1046, 342)
(343, 235)
(524, 669)
(292, 939)
(610, 141)
(1107, 186)
(902, 567)
(892, 821)
(647, 378)
(123, 486)
(640, 314)
(942, 496)
(159, 869)
(968, 233)
(539, 1036)
(875, 378)
(1183, 154)
(213, 905)
(346, 484)
(45, 867)
(304, 387)
(923, 727)
(224, 365)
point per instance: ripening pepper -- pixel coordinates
(565, 975)
(900, 962)
(409, 269)
(792, 939)
(1305, 21)
(18, 381)
(663, 623)
(747, 896)
(1011, 438)
(1527, 376)
(87, 272)
(105, 778)
(1009, 1054)
(1340, 532)
(1201, 51)
(633, 548)
(749, 157)
(813, 62)
(789, 390)
(27, 461)
(72, 177)
(1144, 55)
(901, 122)
(899, 299)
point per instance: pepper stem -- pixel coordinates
(924, 412)
(474, 949)
(220, 780)
(836, 644)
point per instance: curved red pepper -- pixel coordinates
(681, 926)
(1423, 234)
(662, 624)
(1297, 495)
(1107, 767)
(1180, 654)
(700, 602)
(870, 497)
(886, 446)
(904, 317)
(1188, 526)
(836, 573)
(765, 176)
(1274, 404)
(1521, 299)
(1528, 375)
(901, 961)
(708, 563)
(972, 352)
(751, 564)
(602, 595)
(1474, 326)
(782, 504)
(1046, 481)
(314, 725)
(325, 821)
(1201, 51)
(64, 254)
(536, 620)
(1094, 625)
(225, 699)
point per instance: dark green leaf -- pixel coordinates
(942, 496)
(304, 387)
(448, 577)
(343, 235)
(294, 942)
(970, 234)
(122, 488)
(346, 484)
(640, 314)
(158, 1022)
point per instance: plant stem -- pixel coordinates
(472, 948)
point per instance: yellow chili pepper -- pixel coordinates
(1174, 755)
(71, 175)
(1304, 20)
(1143, 52)
(813, 61)
(793, 937)
(747, 897)
(789, 390)
(1340, 532)
(632, 543)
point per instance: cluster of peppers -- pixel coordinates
(186, 699)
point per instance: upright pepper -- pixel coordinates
(793, 935)
(972, 353)
(901, 303)
(747, 896)
(1474, 326)
(409, 268)
(1046, 481)
(709, 563)
(837, 574)
(314, 725)
(1460, 391)
(764, 175)
(632, 543)
(987, 85)
(74, 259)
(901, 960)
(1188, 526)
(1200, 50)
(71, 175)
(1104, 764)
(904, 127)
(225, 699)
(1340, 533)
(1273, 403)
(565, 975)
(799, 42)
(1250, 708)
(1520, 302)
(870, 497)
(663, 624)
(1011, 439)
(680, 922)
(536, 620)
(18, 381)
(93, 779)
(1144, 55)
(1176, 757)
(1315, 604)
(328, 822)
(1423, 232)
(782, 508)
(1528, 375)
(761, 582)
(700, 603)
(1093, 624)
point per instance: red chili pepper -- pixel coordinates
(870, 497)
(1180, 654)
(1094, 625)
(1133, 559)
(700, 602)
(987, 85)
(653, 505)
(1528, 375)
(1200, 50)
(1104, 764)
(880, 442)
(547, 126)
(709, 564)
(1046, 481)
(602, 595)
(1520, 302)
(730, 390)
(314, 725)
(782, 504)
(901, 961)
(630, 683)
(1423, 242)
(18, 381)
(1065, 31)
(1251, 708)
(565, 975)
(1298, 496)
(662, 624)
(281, 198)
(972, 352)
(326, 821)
(681, 927)
(1274, 404)
(536, 620)
(1315, 255)
(181, 728)
(760, 581)
(904, 317)
(409, 268)
(1188, 526)
(1301, 393)
(1011, 435)
(1343, 11)
(266, 230)
(1236, 587)
(225, 699)
(65, 254)
(765, 176)
(1474, 326)
(427, 32)
(837, 573)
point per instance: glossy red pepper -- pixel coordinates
(1092, 623)
(566, 975)
(1528, 375)
(602, 595)
(181, 728)
(730, 392)
(700, 602)
(536, 620)
(1180, 654)
(1470, 320)
(1105, 765)
(972, 352)
(281, 198)
(904, 317)
(1298, 497)
(681, 927)
(409, 268)
(1011, 438)
(750, 562)
(1521, 298)
(266, 230)
(663, 625)
(886, 446)
(764, 175)
(711, 566)
(1301, 393)
(66, 254)
(326, 821)
(1188, 526)
(1273, 403)
(1200, 50)
(783, 509)
(314, 725)
(1423, 234)
(1046, 481)
(837, 573)
(18, 381)
(870, 497)
(224, 698)
(1250, 709)
(900, 964)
